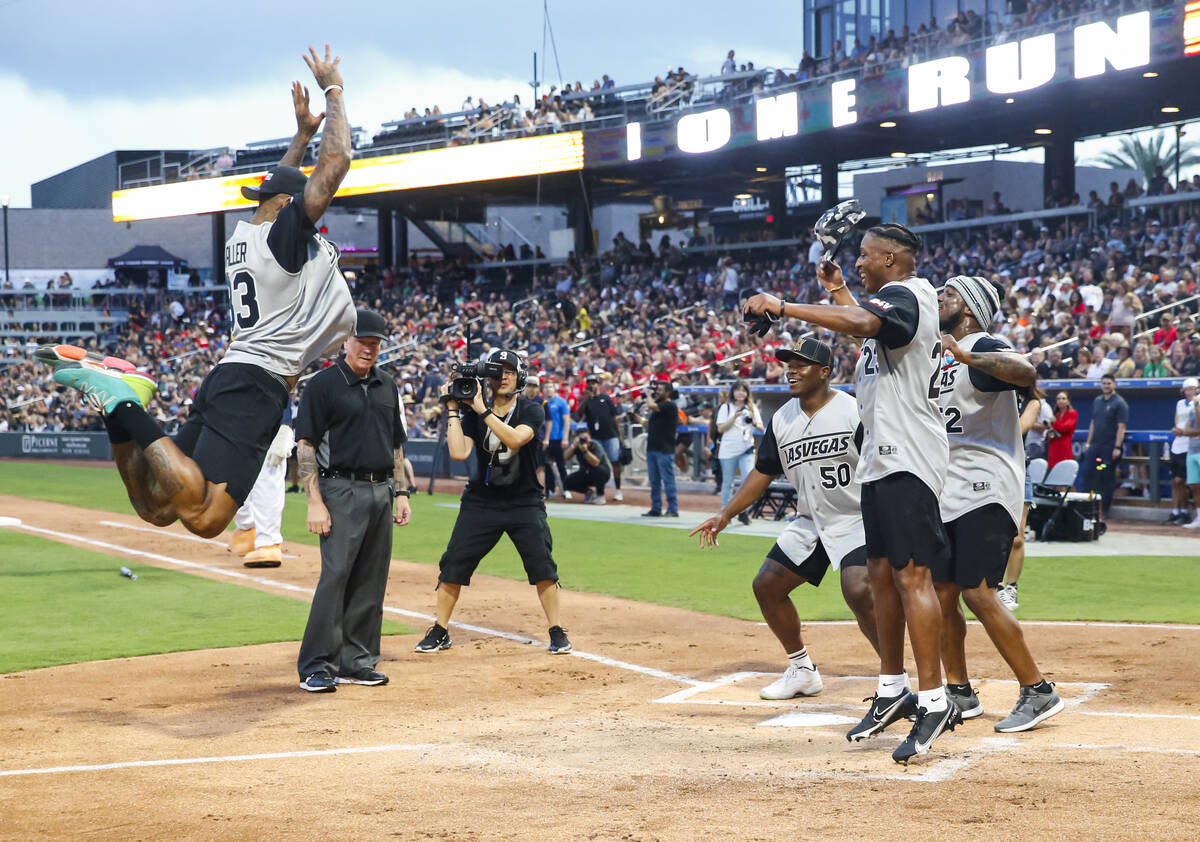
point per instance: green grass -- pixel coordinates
(63, 605)
(663, 566)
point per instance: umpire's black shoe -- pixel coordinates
(435, 640)
(368, 678)
(652, 513)
(559, 645)
(884, 711)
(930, 725)
(318, 682)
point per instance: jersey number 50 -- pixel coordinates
(245, 304)
(834, 475)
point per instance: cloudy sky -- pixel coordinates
(79, 79)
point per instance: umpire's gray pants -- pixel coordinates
(344, 623)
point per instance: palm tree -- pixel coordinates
(1156, 151)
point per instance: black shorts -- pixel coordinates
(480, 526)
(813, 568)
(233, 420)
(980, 542)
(901, 521)
(1179, 466)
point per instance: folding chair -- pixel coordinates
(1052, 490)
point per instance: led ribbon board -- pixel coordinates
(408, 171)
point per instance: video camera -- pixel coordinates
(466, 384)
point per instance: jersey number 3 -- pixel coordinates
(245, 304)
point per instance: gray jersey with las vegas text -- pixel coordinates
(896, 386)
(289, 301)
(987, 456)
(819, 455)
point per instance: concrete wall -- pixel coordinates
(609, 219)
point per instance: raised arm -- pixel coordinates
(306, 127)
(333, 158)
(849, 319)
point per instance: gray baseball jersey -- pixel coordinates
(289, 300)
(819, 455)
(896, 386)
(987, 456)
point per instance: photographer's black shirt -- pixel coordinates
(601, 416)
(660, 431)
(513, 477)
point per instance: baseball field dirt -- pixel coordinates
(651, 730)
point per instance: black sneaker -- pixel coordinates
(559, 645)
(435, 640)
(744, 519)
(928, 728)
(368, 678)
(884, 711)
(318, 682)
(968, 703)
(652, 513)
(672, 514)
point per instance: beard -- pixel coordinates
(951, 323)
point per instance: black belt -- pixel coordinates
(362, 476)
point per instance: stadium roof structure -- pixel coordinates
(1046, 87)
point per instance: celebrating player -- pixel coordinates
(814, 439)
(902, 469)
(290, 306)
(984, 495)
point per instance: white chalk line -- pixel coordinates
(246, 577)
(231, 758)
(1102, 624)
(170, 533)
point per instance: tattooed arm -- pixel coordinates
(403, 510)
(1003, 365)
(333, 158)
(318, 515)
(306, 127)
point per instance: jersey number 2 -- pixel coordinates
(245, 304)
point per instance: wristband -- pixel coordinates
(486, 413)
(400, 492)
(835, 289)
(330, 88)
(781, 303)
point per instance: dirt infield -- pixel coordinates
(652, 730)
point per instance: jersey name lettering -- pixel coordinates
(812, 449)
(235, 253)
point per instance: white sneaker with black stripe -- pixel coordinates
(795, 681)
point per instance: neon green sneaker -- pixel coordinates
(103, 374)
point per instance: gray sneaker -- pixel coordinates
(1032, 707)
(968, 703)
(1007, 594)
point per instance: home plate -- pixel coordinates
(10, 521)
(806, 719)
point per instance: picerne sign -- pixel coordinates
(1019, 66)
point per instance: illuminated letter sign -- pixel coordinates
(1020, 65)
(1191, 28)
(777, 116)
(703, 132)
(842, 103)
(944, 77)
(1096, 43)
(633, 141)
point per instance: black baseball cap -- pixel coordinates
(279, 180)
(809, 350)
(370, 324)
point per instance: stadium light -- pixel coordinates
(1042, 131)
(899, 154)
(384, 174)
(1009, 101)
(1149, 74)
(760, 169)
(1170, 109)
(888, 124)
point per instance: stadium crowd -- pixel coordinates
(643, 312)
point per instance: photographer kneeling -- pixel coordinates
(503, 497)
(594, 469)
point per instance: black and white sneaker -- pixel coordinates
(318, 682)
(367, 678)
(884, 711)
(928, 728)
(435, 640)
(559, 645)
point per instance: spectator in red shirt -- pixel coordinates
(1166, 334)
(1062, 431)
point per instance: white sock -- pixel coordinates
(892, 685)
(932, 700)
(800, 660)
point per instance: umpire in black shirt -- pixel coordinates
(350, 446)
(503, 497)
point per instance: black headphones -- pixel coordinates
(503, 355)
